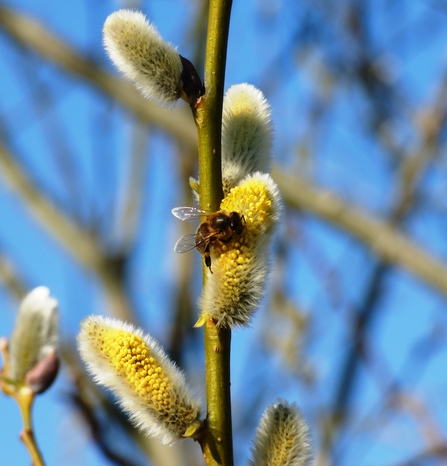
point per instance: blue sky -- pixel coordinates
(75, 143)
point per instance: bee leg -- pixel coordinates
(207, 258)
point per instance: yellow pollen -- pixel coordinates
(131, 358)
(252, 200)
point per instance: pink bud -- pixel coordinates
(42, 375)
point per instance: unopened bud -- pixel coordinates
(152, 64)
(192, 87)
(42, 375)
(32, 350)
(247, 134)
(282, 437)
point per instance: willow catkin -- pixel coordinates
(150, 388)
(139, 52)
(235, 288)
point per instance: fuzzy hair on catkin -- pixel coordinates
(149, 387)
(35, 335)
(282, 437)
(235, 288)
(247, 134)
(138, 51)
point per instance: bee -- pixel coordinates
(218, 226)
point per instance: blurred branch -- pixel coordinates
(97, 431)
(82, 246)
(413, 164)
(429, 123)
(99, 411)
(182, 321)
(35, 36)
(10, 279)
(382, 238)
(435, 453)
(412, 405)
(133, 197)
(387, 242)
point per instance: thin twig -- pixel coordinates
(177, 123)
(83, 247)
(413, 166)
(36, 37)
(386, 241)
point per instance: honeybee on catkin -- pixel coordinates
(218, 226)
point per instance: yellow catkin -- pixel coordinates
(148, 384)
(130, 356)
(235, 288)
(254, 203)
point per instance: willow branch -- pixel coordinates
(386, 241)
(80, 245)
(412, 167)
(10, 279)
(25, 401)
(437, 452)
(36, 37)
(430, 122)
(217, 443)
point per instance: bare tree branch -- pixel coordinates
(10, 278)
(83, 247)
(387, 242)
(35, 36)
(390, 245)
(438, 452)
(413, 165)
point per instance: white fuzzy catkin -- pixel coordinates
(137, 49)
(282, 437)
(247, 134)
(150, 388)
(234, 290)
(35, 335)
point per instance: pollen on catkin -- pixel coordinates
(282, 437)
(150, 388)
(247, 134)
(137, 49)
(234, 290)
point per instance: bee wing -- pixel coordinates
(187, 213)
(185, 243)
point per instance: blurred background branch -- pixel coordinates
(355, 327)
(387, 242)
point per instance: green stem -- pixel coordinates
(209, 112)
(25, 401)
(217, 442)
